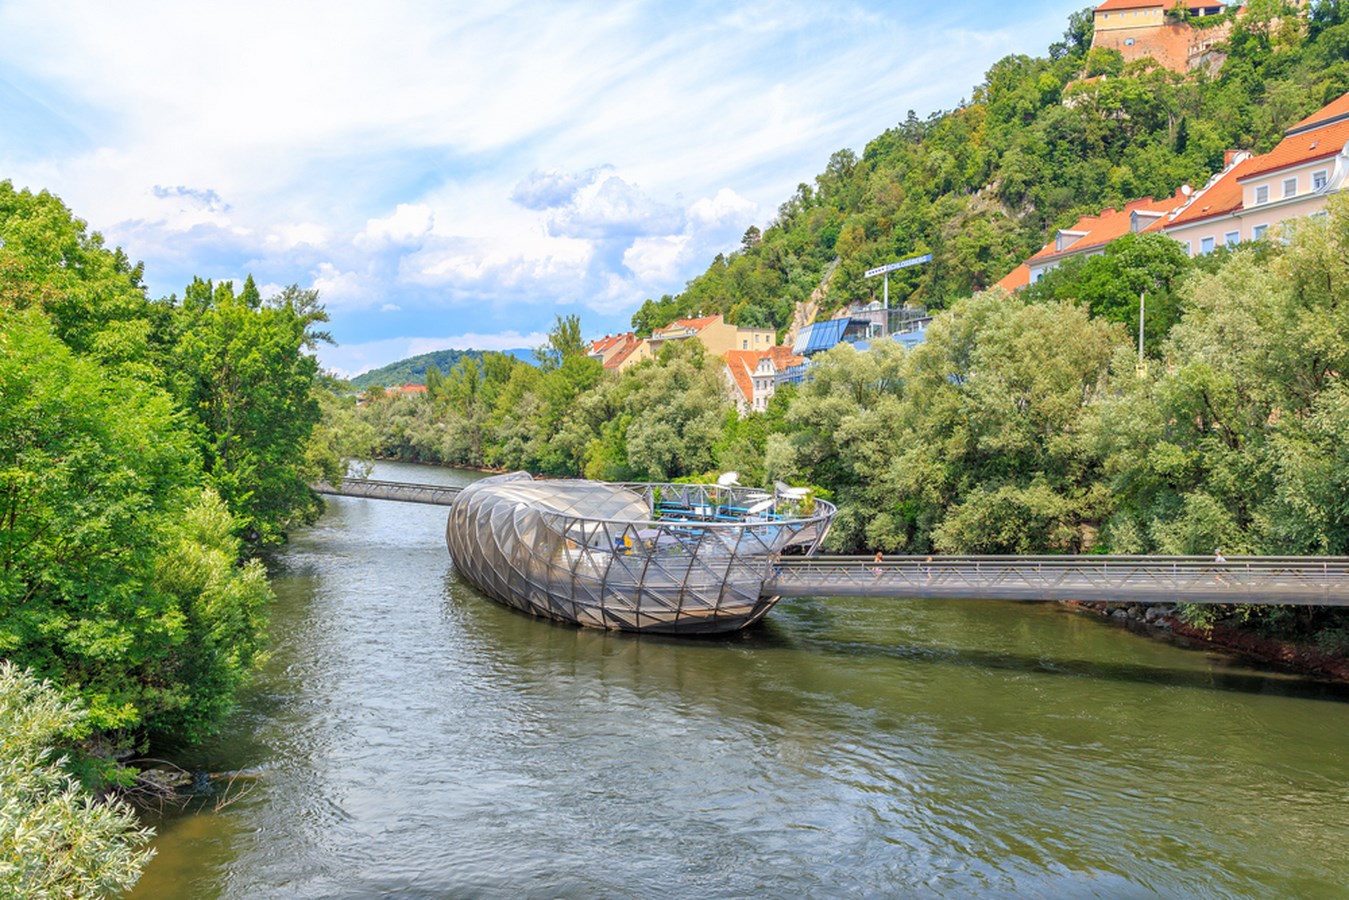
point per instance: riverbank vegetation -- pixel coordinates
(149, 449)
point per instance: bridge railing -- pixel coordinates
(407, 492)
(1151, 579)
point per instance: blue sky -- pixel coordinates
(456, 175)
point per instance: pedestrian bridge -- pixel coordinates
(1264, 580)
(1254, 580)
(434, 494)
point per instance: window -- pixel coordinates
(1232, 238)
(1186, 245)
(1318, 180)
(1262, 194)
(1289, 187)
(1206, 245)
(1258, 232)
(1128, 42)
(744, 345)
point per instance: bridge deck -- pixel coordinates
(435, 494)
(1321, 581)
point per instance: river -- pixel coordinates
(417, 740)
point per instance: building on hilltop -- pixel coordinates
(753, 376)
(1144, 28)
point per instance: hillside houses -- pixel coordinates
(1240, 203)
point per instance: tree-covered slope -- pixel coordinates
(1041, 141)
(413, 369)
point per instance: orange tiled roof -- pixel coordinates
(608, 342)
(1016, 279)
(621, 356)
(783, 357)
(1112, 224)
(1303, 147)
(694, 325)
(1332, 110)
(740, 363)
(1112, 5)
(1217, 199)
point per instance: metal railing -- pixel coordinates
(434, 494)
(1141, 579)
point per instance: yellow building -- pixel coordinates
(713, 332)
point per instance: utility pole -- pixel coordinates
(1141, 364)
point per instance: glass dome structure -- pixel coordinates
(671, 558)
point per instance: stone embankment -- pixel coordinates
(1165, 620)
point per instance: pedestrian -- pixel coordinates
(876, 563)
(927, 567)
(1218, 560)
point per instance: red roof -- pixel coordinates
(1303, 147)
(1016, 279)
(1112, 5)
(1332, 110)
(1217, 199)
(694, 325)
(1111, 225)
(608, 342)
(621, 356)
(740, 363)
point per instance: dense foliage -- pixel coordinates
(145, 448)
(1036, 146)
(55, 840)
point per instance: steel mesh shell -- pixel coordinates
(635, 557)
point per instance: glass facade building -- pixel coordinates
(671, 558)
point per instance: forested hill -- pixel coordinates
(413, 369)
(1043, 140)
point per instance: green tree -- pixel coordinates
(249, 383)
(56, 840)
(564, 342)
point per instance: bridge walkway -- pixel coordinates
(434, 494)
(1264, 580)
(1255, 580)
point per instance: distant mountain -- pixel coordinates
(413, 369)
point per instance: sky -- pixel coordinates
(454, 175)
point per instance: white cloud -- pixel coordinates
(508, 155)
(407, 224)
(288, 236)
(654, 259)
(337, 288)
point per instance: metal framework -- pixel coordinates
(1142, 579)
(435, 494)
(673, 558)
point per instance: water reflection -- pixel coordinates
(422, 741)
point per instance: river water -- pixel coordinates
(417, 740)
